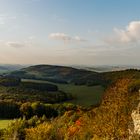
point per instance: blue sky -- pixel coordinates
(93, 32)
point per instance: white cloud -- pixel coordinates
(32, 37)
(66, 38)
(60, 36)
(5, 18)
(16, 44)
(131, 34)
(77, 38)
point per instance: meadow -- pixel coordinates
(4, 123)
(83, 95)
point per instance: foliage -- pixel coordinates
(9, 110)
(109, 121)
(24, 94)
(41, 132)
(16, 129)
(134, 86)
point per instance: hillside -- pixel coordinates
(15, 90)
(5, 68)
(112, 77)
(59, 74)
(110, 121)
(69, 75)
(105, 114)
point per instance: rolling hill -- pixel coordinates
(70, 75)
(5, 68)
(59, 74)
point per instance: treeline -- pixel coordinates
(11, 110)
(14, 81)
(13, 89)
(40, 86)
(112, 77)
(25, 75)
(22, 94)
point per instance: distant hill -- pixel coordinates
(5, 68)
(63, 74)
(59, 74)
(107, 68)
(112, 77)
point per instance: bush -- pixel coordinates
(16, 130)
(134, 86)
(41, 132)
(26, 110)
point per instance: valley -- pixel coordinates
(43, 98)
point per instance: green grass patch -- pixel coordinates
(4, 123)
(83, 95)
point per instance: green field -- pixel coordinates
(83, 95)
(4, 123)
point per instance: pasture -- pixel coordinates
(4, 123)
(83, 95)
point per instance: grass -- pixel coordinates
(84, 95)
(4, 123)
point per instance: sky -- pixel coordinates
(70, 32)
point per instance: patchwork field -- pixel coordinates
(83, 95)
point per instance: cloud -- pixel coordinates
(16, 44)
(5, 18)
(32, 37)
(131, 34)
(66, 38)
(60, 36)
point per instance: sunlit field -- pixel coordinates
(4, 123)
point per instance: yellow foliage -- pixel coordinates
(41, 132)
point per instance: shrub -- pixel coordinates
(26, 110)
(41, 132)
(134, 86)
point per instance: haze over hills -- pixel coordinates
(77, 76)
(5, 68)
(95, 68)
(58, 74)
(106, 68)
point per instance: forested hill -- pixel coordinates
(112, 77)
(59, 74)
(63, 74)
